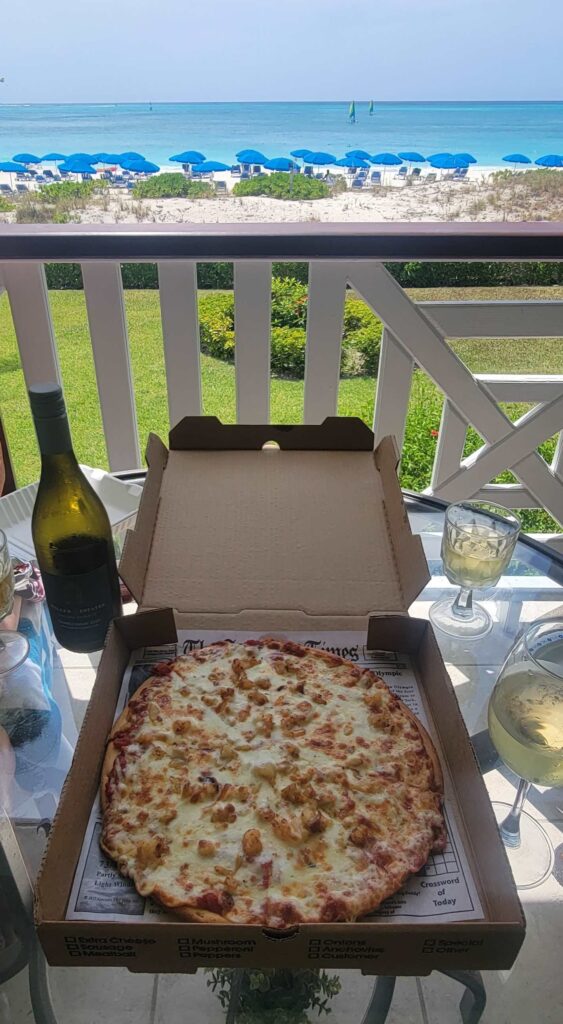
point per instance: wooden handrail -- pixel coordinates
(347, 241)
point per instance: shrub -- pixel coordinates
(288, 351)
(172, 186)
(289, 303)
(30, 212)
(70, 193)
(362, 348)
(358, 315)
(361, 338)
(216, 326)
(5, 205)
(283, 186)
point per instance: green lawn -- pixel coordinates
(356, 395)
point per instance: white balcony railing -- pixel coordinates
(339, 255)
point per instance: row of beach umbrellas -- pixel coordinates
(355, 159)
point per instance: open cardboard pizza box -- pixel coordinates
(310, 532)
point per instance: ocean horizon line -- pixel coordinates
(280, 102)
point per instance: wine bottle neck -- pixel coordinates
(53, 436)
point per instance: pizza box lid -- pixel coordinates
(243, 519)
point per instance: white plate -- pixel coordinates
(121, 501)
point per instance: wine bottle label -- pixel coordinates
(81, 607)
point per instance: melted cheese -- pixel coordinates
(316, 759)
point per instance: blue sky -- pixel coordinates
(181, 50)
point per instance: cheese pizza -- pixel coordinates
(269, 783)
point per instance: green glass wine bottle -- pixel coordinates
(72, 534)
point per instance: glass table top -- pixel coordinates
(42, 705)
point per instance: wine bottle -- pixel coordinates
(72, 534)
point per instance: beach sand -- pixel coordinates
(476, 198)
(439, 201)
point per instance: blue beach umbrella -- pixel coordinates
(448, 162)
(351, 161)
(360, 153)
(190, 156)
(27, 158)
(251, 156)
(74, 165)
(131, 155)
(108, 158)
(208, 166)
(386, 159)
(281, 163)
(53, 157)
(412, 157)
(320, 159)
(551, 160)
(13, 168)
(300, 153)
(142, 166)
(437, 156)
(516, 158)
(9, 167)
(468, 157)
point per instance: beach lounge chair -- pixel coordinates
(308, 172)
(460, 173)
(357, 184)
(256, 169)
(64, 174)
(416, 174)
(41, 179)
(402, 172)
(221, 188)
(235, 170)
(375, 177)
(5, 190)
(21, 187)
(48, 174)
(244, 176)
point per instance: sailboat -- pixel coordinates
(352, 113)
(370, 108)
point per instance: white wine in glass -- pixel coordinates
(477, 546)
(14, 647)
(526, 727)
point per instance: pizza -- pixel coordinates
(269, 783)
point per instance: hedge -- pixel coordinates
(410, 275)
(361, 332)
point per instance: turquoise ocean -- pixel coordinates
(487, 130)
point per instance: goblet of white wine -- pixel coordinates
(526, 727)
(477, 546)
(14, 647)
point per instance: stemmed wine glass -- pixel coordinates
(526, 727)
(14, 647)
(477, 546)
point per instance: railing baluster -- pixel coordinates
(108, 331)
(253, 303)
(394, 380)
(325, 316)
(180, 331)
(449, 450)
(29, 302)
